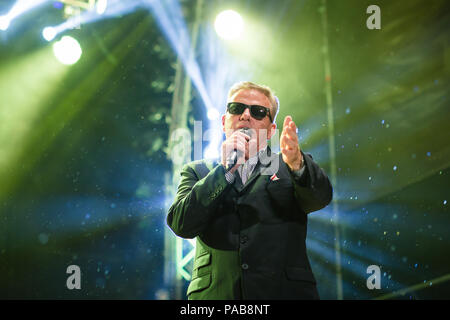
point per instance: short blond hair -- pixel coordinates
(269, 93)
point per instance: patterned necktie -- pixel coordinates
(244, 174)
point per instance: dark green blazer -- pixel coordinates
(250, 238)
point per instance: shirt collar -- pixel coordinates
(254, 160)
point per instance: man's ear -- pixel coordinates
(223, 123)
(271, 131)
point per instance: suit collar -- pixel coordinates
(264, 165)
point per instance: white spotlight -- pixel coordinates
(211, 153)
(4, 23)
(49, 33)
(229, 24)
(101, 6)
(67, 50)
(213, 114)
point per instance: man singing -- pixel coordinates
(248, 212)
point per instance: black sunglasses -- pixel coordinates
(257, 112)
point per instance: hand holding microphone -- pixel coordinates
(235, 149)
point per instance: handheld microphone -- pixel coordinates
(232, 159)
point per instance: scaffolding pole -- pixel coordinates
(174, 256)
(332, 148)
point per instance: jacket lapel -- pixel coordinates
(264, 166)
(238, 185)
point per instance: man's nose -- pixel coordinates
(246, 114)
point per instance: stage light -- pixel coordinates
(211, 153)
(229, 24)
(49, 33)
(67, 50)
(19, 7)
(4, 23)
(101, 6)
(213, 114)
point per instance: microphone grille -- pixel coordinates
(246, 131)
